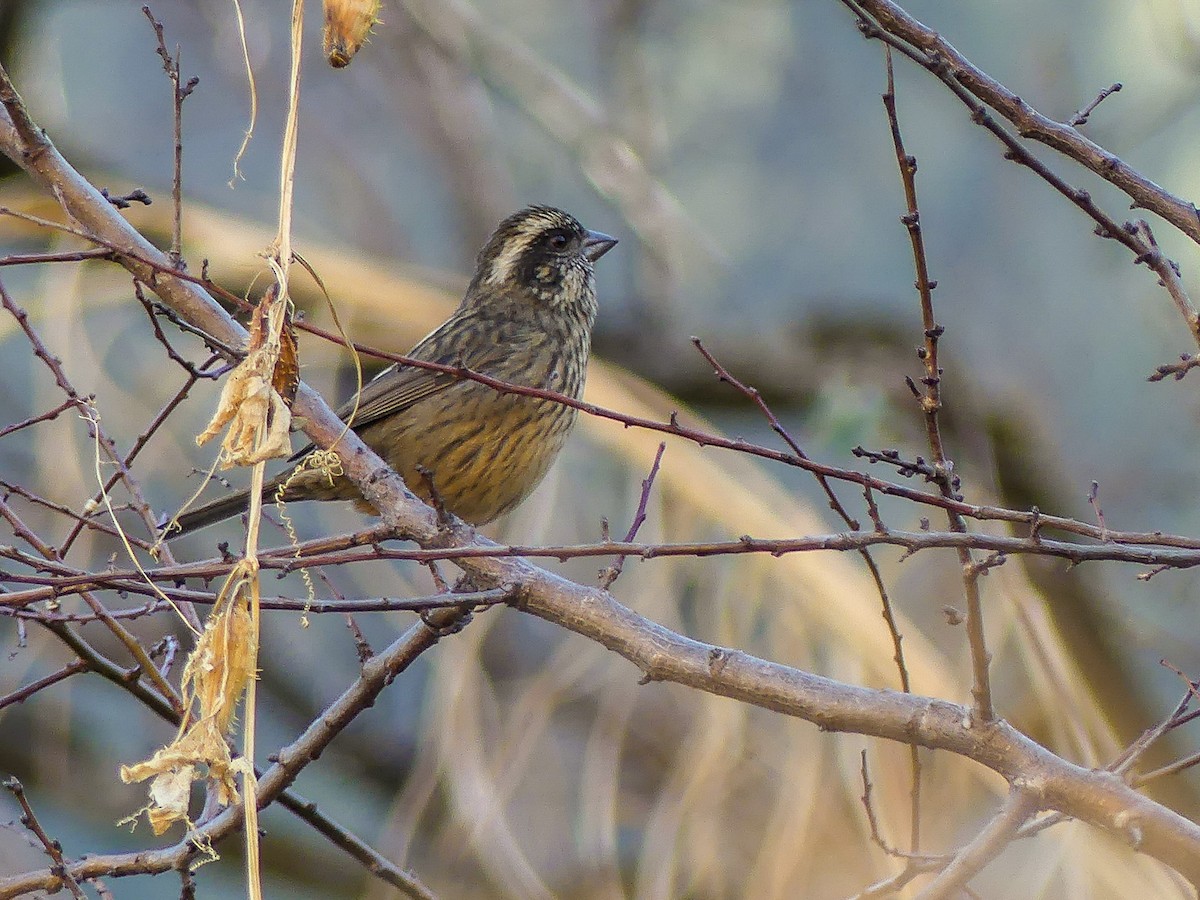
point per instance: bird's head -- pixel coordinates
(541, 254)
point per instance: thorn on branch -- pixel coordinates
(127, 200)
(361, 646)
(1186, 363)
(1094, 502)
(445, 521)
(1146, 576)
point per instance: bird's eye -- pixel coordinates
(559, 241)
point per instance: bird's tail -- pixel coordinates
(214, 511)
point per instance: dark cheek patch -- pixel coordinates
(541, 271)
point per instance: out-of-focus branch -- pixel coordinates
(571, 117)
(986, 846)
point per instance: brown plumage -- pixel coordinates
(526, 318)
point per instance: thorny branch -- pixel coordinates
(931, 404)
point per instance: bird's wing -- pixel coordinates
(393, 390)
(398, 387)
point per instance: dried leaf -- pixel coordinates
(215, 678)
(287, 369)
(348, 24)
(255, 399)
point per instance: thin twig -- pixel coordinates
(1081, 117)
(22, 694)
(991, 841)
(613, 571)
(25, 259)
(931, 404)
(365, 546)
(179, 93)
(889, 615)
(48, 416)
(52, 847)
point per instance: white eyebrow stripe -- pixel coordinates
(509, 256)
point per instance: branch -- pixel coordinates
(986, 846)
(940, 58)
(377, 673)
(931, 404)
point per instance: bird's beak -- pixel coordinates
(596, 244)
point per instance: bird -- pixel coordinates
(526, 318)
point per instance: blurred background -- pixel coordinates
(741, 154)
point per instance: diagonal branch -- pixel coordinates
(942, 60)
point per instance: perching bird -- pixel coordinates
(526, 318)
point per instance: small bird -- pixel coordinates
(526, 318)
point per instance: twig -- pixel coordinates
(613, 571)
(1093, 499)
(1167, 271)
(125, 201)
(1178, 370)
(931, 404)
(872, 820)
(48, 416)
(53, 848)
(25, 259)
(179, 93)
(93, 524)
(23, 694)
(374, 861)
(364, 546)
(889, 615)
(986, 846)
(197, 373)
(1081, 117)
(435, 497)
